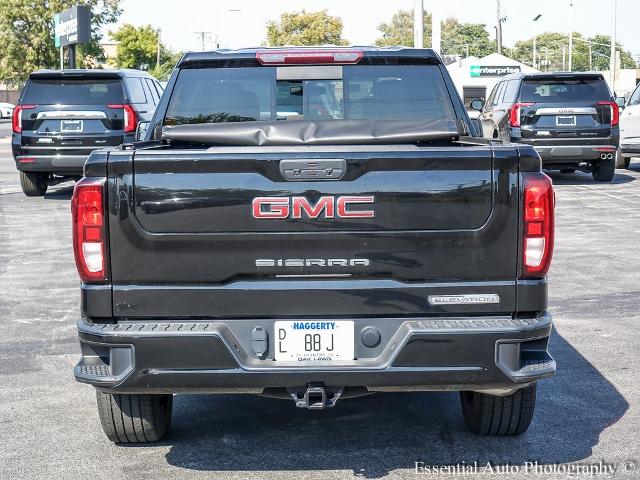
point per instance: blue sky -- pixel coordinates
(179, 20)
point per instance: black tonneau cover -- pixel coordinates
(300, 132)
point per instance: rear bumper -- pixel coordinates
(71, 165)
(571, 151)
(563, 154)
(490, 354)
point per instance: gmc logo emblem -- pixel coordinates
(299, 207)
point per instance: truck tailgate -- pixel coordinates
(185, 239)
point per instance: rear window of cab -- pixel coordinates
(68, 91)
(564, 90)
(214, 95)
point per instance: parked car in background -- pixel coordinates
(570, 118)
(6, 109)
(630, 130)
(63, 115)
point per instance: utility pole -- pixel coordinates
(570, 35)
(564, 58)
(418, 24)
(204, 36)
(498, 27)
(158, 53)
(612, 59)
(590, 57)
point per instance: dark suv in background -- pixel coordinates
(63, 115)
(570, 118)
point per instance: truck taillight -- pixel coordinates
(514, 113)
(89, 239)
(538, 207)
(615, 112)
(306, 56)
(130, 117)
(16, 119)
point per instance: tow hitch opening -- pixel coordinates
(316, 397)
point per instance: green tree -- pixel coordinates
(548, 50)
(399, 30)
(305, 28)
(466, 39)
(457, 38)
(27, 35)
(138, 48)
(550, 46)
(163, 71)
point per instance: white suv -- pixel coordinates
(630, 129)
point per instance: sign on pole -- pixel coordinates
(73, 26)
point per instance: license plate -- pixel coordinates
(312, 341)
(71, 126)
(566, 120)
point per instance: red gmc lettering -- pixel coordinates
(344, 202)
(279, 207)
(300, 203)
(326, 207)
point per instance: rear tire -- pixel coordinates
(604, 170)
(627, 162)
(34, 184)
(134, 418)
(499, 416)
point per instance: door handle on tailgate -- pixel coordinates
(320, 169)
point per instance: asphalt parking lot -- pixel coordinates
(588, 413)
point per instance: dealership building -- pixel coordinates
(475, 77)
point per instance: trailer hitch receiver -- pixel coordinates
(316, 397)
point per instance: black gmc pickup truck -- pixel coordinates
(313, 224)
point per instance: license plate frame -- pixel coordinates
(334, 340)
(565, 120)
(71, 126)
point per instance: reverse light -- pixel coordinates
(130, 117)
(89, 239)
(514, 113)
(615, 112)
(538, 224)
(300, 57)
(16, 119)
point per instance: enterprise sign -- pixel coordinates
(493, 71)
(72, 26)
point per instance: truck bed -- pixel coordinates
(184, 244)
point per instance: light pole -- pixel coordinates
(436, 28)
(546, 59)
(418, 24)
(535, 19)
(571, 33)
(612, 59)
(498, 27)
